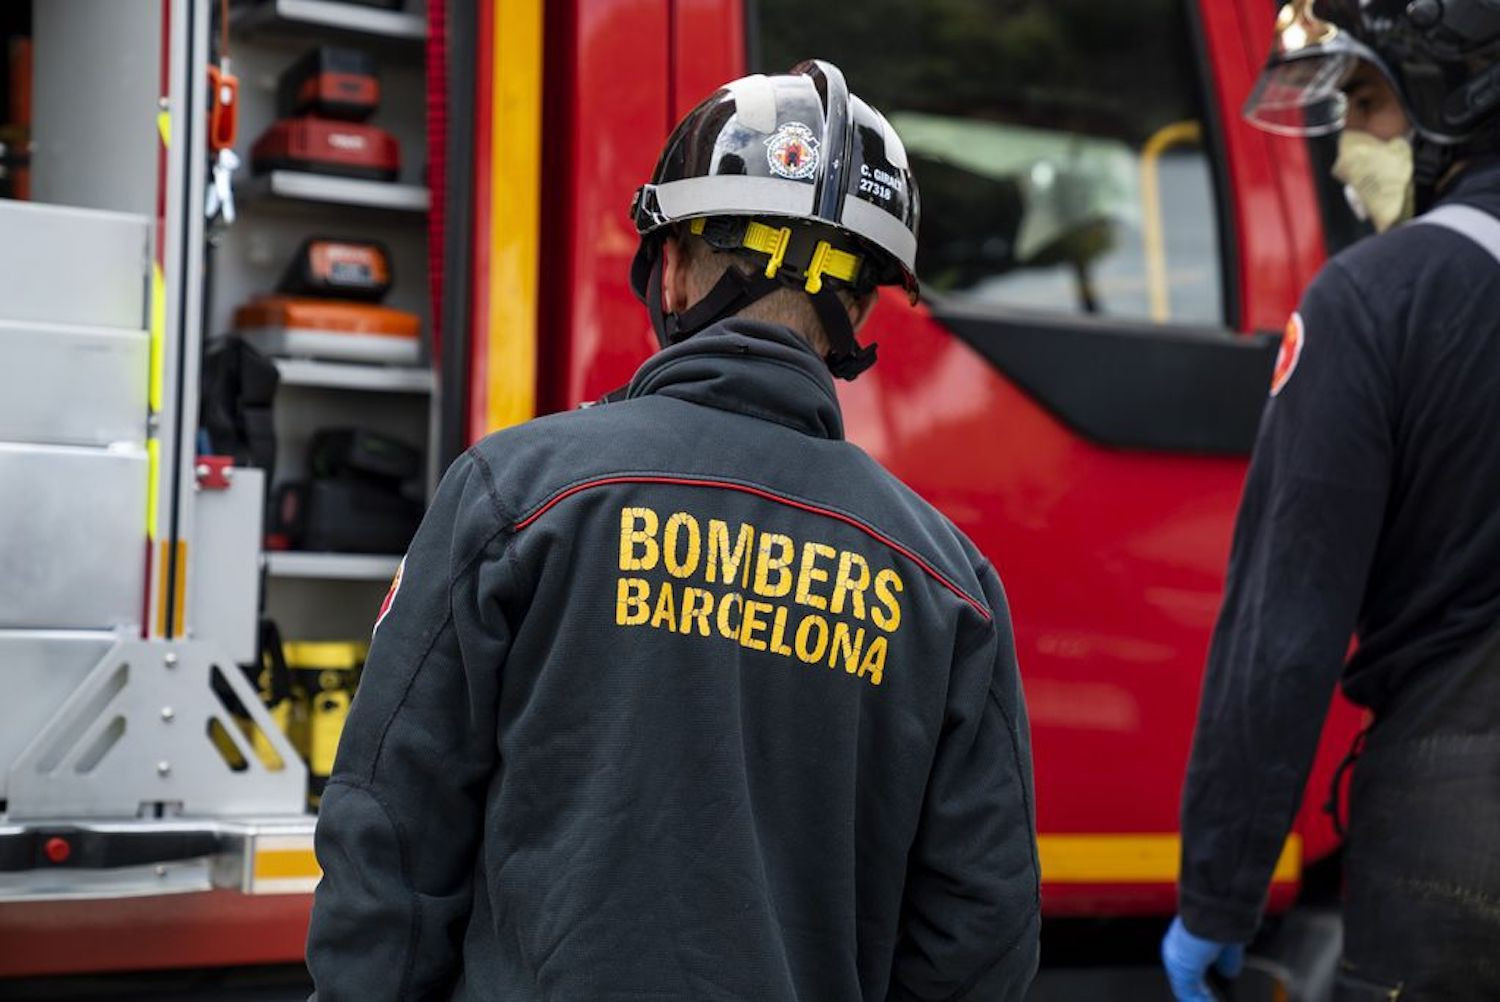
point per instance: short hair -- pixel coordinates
(789, 307)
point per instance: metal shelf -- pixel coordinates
(331, 566)
(344, 376)
(297, 18)
(335, 190)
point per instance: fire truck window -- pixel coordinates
(1059, 145)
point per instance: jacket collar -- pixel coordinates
(1480, 178)
(748, 367)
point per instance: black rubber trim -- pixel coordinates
(94, 850)
(458, 232)
(1130, 385)
(186, 438)
(754, 57)
(1216, 146)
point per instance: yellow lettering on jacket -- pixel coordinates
(846, 647)
(725, 604)
(697, 606)
(853, 578)
(681, 527)
(768, 563)
(724, 563)
(805, 600)
(778, 633)
(809, 650)
(810, 574)
(666, 608)
(888, 585)
(630, 602)
(632, 537)
(873, 664)
(753, 625)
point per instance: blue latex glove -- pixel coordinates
(1187, 959)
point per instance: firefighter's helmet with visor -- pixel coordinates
(1441, 57)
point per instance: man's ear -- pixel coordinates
(674, 276)
(861, 308)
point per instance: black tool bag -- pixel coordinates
(239, 387)
(358, 454)
(346, 516)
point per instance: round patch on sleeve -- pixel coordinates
(390, 596)
(1291, 351)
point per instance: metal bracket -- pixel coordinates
(159, 728)
(178, 877)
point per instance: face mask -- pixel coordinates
(1377, 177)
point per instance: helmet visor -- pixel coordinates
(1302, 96)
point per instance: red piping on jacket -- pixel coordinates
(767, 495)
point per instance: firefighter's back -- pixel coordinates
(741, 653)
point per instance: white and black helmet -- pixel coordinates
(795, 168)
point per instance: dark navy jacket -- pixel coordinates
(684, 697)
(1372, 508)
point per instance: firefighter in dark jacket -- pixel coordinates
(1372, 509)
(682, 696)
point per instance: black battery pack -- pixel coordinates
(330, 82)
(339, 269)
(345, 516)
(358, 454)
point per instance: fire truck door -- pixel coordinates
(1077, 394)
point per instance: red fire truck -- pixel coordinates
(1104, 247)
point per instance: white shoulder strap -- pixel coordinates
(1477, 225)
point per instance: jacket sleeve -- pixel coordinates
(400, 821)
(1307, 530)
(972, 905)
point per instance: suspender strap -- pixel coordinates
(1477, 225)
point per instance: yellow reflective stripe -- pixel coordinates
(177, 596)
(1133, 859)
(282, 864)
(1066, 859)
(164, 127)
(153, 486)
(158, 336)
(515, 211)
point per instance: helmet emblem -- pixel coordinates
(792, 152)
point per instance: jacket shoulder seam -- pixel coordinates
(487, 473)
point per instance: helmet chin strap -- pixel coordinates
(731, 293)
(846, 358)
(1430, 163)
(736, 290)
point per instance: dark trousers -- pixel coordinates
(1422, 882)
